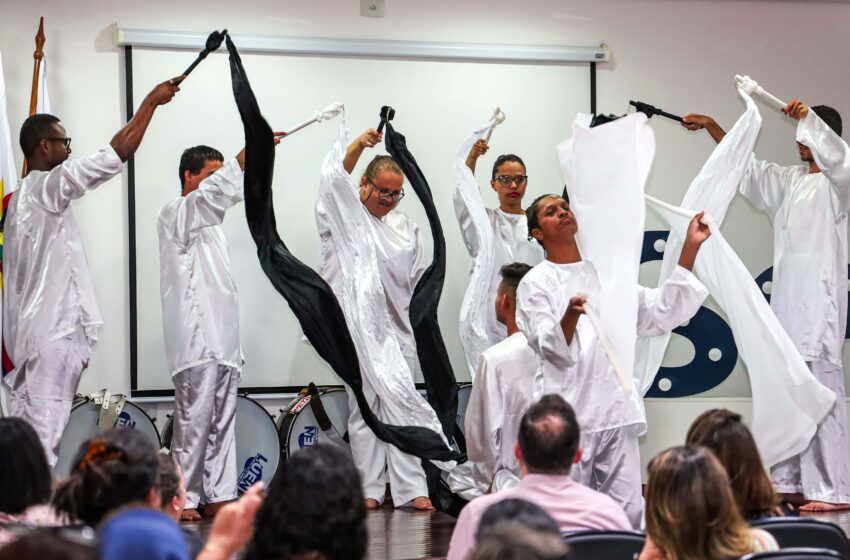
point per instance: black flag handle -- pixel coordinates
(649, 110)
(387, 114)
(213, 42)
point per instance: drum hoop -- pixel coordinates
(137, 407)
(322, 392)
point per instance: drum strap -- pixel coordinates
(322, 418)
(110, 408)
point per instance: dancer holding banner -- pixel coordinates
(50, 316)
(807, 205)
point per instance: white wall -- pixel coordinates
(678, 54)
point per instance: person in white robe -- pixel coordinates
(501, 394)
(569, 353)
(807, 206)
(200, 321)
(401, 263)
(510, 235)
(50, 314)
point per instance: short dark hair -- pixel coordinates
(549, 436)
(504, 158)
(315, 504)
(35, 129)
(512, 274)
(830, 116)
(114, 469)
(169, 479)
(512, 541)
(24, 472)
(531, 214)
(521, 512)
(194, 159)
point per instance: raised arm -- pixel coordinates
(366, 140)
(126, 141)
(550, 333)
(830, 151)
(693, 121)
(478, 149)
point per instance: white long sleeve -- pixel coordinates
(831, 153)
(662, 309)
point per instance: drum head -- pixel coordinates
(257, 446)
(299, 428)
(82, 426)
(464, 390)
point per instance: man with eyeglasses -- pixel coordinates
(50, 315)
(401, 263)
(512, 244)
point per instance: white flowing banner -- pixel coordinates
(602, 194)
(788, 402)
(474, 308)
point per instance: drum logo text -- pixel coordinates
(124, 421)
(309, 437)
(252, 473)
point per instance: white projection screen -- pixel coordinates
(437, 105)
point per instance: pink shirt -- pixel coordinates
(574, 506)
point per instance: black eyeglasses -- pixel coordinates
(387, 194)
(506, 180)
(66, 141)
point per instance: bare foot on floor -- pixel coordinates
(372, 503)
(190, 515)
(823, 506)
(423, 503)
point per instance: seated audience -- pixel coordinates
(25, 481)
(512, 541)
(725, 435)
(315, 510)
(690, 511)
(521, 512)
(172, 499)
(44, 544)
(547, 447)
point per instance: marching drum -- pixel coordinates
(82, 426)
(257, 446)
(464, 390)
(298, 427)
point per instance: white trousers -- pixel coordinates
(204, 442)
(42, 389)
(379, 462)
(610, 464)
(822, 471)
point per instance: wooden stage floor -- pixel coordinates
(408, 535)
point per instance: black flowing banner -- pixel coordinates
(308, 295)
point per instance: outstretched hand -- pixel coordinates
(576, 306)
(233, 526)
(478, 149)
(796, 109)
(370, 138)
(693, 121)
(698, 232)
(164, 92)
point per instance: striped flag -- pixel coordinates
(8, 175)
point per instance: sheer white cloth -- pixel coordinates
(493, 239)
(200, 307)
(375, 282)
(788, 402)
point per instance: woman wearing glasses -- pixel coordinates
(400, 263)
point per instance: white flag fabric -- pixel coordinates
(788, 402)
(8, 174)
(605, 168)
(43, 100)
(474, 309)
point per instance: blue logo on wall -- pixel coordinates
(309, 437)
(252, 473)
(125, 421)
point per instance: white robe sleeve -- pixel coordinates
(763, 185)
(660, 310)
(419, 262)
(484, 420)
(464, 220)
(831, 153)
(73, 178)
(207, 205)
(537, 320)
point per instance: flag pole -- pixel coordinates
(37, 55)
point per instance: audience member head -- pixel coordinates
(690, 511)
(550, 219)
(509, 180)
(511, 273)
(24, 473)
(514, 511)
(172, 487)
(142, 533)
(315, 508)
(44, 142)
(51, 544)
(115, 469)
(726, 436)
(548, 439)
(381, 186)
(513, 541)
(196, 164)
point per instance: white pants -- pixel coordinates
(822, 471)
(42, 389)
(379, 462)
(204, 442)
(610, 464)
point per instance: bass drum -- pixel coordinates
(257, 447)
(298, 428)
(82, 426)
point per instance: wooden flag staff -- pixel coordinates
(37, 55)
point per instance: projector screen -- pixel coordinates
(437, 105)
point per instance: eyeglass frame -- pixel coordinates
(519, 180)
(66, 141)
(387, 194)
